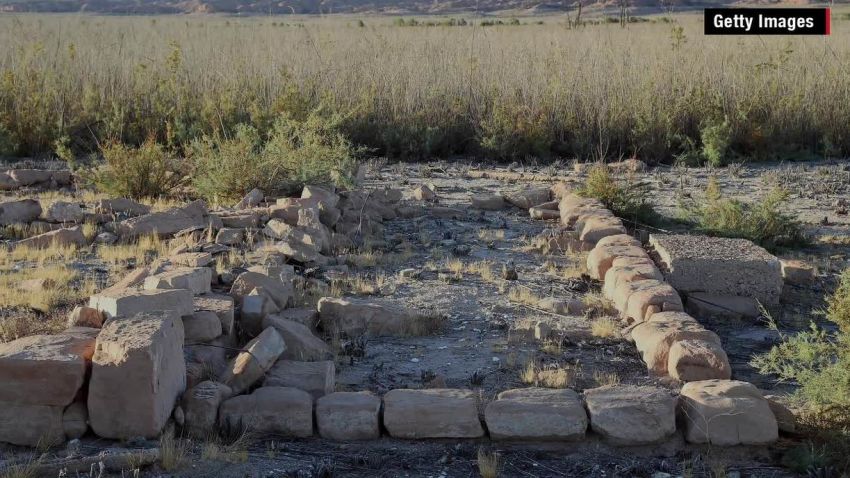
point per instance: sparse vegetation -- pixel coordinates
(148, 171)
(625, 197)
(173, 452)
(762, 221)
(819, 361)
(605, 328)
(489, 464)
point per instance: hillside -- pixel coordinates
(248, 7)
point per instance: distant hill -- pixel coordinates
(249, 7)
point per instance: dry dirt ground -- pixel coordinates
(480, 348)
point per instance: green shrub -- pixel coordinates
(515, 131)
(716, 138)
(312, 151)
(7, 143)
(762, 222)
(626, 198)
(819, 361)
(144, 172)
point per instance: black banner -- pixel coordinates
(767, 21)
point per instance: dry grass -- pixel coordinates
(139, 252)
(605, 378)
(54, 253)
(485, 269)
(491, 235)
(61, 287)
(605, 328)
(425, 323)
(597, 305)
(173, 452)
(215, 448)
(551, 376)
(523, 295)
(489, 464)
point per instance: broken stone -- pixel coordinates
(307, 316)
(357, 316)
(61, 237)
(222, 305)
(46, 369)
(432, 413)
(528, 198)
(22, 211)
(301, 344)
(784, 416)
(726, 413)
(28, 177)
(121, 205)
(695, 360)
(253, 198)
(491, 202)
(172, 221)
(315, 378)
(700, 304)
(562, 306)
(278, 229)
(36, 285)
(230, 236)
(345, 416)
(61, 211)
(137, 374)
(195, 279)
(536, 414)
(280, 292)
(192, 259)
(601, 258)
(83, 316)
(631, 415)
(719, 266)
(597, 228)
(661, 295)
(424, 193)
(201, 326)
(283, 411)
(255, 359)
(200, 407)
(241, 221)
(255, 308)
(543, 213)
(129, 302)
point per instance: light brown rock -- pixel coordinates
(196, 279)
(528, 197)
(137, 374)
(316, 378)
(75, 420)
(129, 302)
(300, 342)
(280, 292)
(631, 415)
(601, 258)
(655, 337)
(694, 360)
(345, 416)
(22, 211)
(256, 358)
(201, 326)
(31, 425)
(536, 414)
(83, 316)
(432, 413)
(45, 369)
(282, 411)
(200, 407)
(726, 413)
(61, 237)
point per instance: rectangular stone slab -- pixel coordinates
(129, 302)
(31, 425)
(138, 371)
(45, 369)
(718, 266)
(432, 413)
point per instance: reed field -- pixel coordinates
(658, 90)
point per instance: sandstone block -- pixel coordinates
(655, 337)
(280, 411)
(726, 413)
(347, 416)
(432, 413)
(631, 415)
(256, 358)
(695, 360)
(719, 266)
(200, 407)
(129, 302)
(601, 258)
(22, 211)
(201, 326)
(195, 279)
(278, 290)
(536, 414)
(137, 374)
(31, 425)
(300, 342)
(60, 237)
(83, 316)
(316, 378)
(222, 305)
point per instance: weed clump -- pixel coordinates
(298, 152)
(626, 198)
(762, 222)
(148, 171)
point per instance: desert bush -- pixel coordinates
(148, 171)
(716, 139)
(762, 222)
(819, 361)
(625, 197)
(298, 152)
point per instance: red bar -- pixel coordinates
(828, 25)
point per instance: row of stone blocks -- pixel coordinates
(622, 414)
(671, 342)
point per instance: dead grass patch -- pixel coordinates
(139, 252)
(489, 464)
(605, 328)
